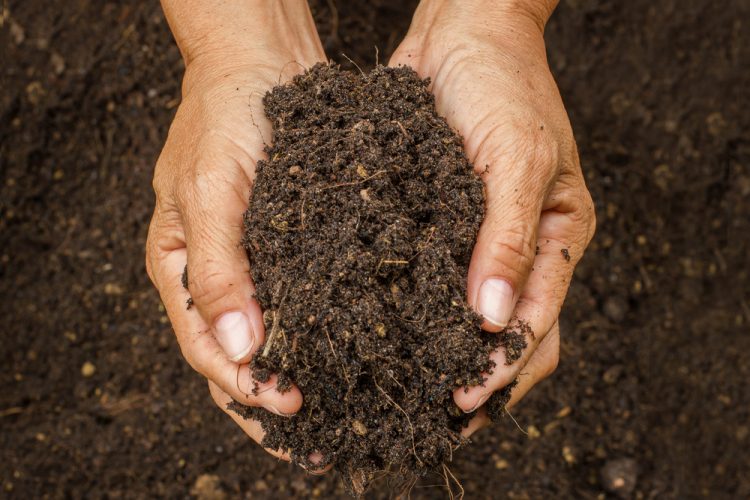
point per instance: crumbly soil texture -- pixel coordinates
(359, 233)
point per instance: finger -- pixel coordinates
(541, 365)
(205, 355)
(564, 232)
(316, 458)
(251, 427)
(516, 184)
(479, 421)
(565, 229)
(212, 203)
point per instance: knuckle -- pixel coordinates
(209, 286)
(581, 215)
(512, 248)
(585, 217)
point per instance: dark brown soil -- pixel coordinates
(652, 388)
(359, 233)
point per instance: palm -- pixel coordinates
(504, 103)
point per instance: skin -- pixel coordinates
(487, 63)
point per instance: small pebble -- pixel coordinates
(88, 369)
(501, 464)
(380, 330)
(564, 412)
(359, 428)
(619, 476)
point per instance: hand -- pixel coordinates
(491, 82)
(202, 183)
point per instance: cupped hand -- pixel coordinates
(491, 82)
(202, 182)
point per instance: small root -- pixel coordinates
(355, 64)
(379, 172)
(403, 130)
(275, 328)
(411, 427)
(515, 421)
(448, 474)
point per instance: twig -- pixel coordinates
(355, 64)
(413, 443)
(426, 244)
(278, 82)
(330, 343)
(353, 183)
(515, 421)
(396, 381)
(341, 364)
(275, 327)
(406, 134)
(15, 410)
(447, 472)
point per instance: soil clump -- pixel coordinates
(359, 233)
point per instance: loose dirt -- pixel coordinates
(359, 233)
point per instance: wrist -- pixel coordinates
(222, 36)
(493, 16)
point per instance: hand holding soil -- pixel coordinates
(202, 183)
(492, 83)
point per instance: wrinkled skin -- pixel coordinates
(491, 82)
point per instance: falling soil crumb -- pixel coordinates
(359, 235)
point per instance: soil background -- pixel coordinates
(95, 399)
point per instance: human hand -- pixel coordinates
(233, 54)
(491, 82)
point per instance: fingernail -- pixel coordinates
(275, 410)
(496, 301)
(479, 404)
(234, 333)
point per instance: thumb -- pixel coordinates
(506, 244)
(212, 207)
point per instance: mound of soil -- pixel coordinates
(359, 234)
